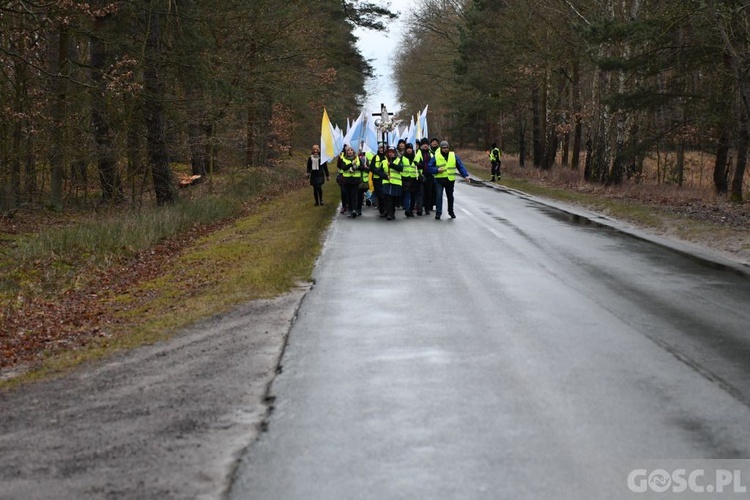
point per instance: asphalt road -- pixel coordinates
(165, 421)
(516, 352)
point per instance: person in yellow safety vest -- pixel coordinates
(409, 180)
(375, 165)
(351, 170)
(391, 183)
(496, 156)
(401, 147)
(364, 183)
(426, 179)
(370, 198)
(430, 189)
(443, 165)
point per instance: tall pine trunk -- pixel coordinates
(537, 134)
(739, 170)
(153, 106)
(59, 119)
(109, 176)
(722, 157)
(578, 135)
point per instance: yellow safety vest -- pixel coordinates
(410, 168)
(449, 164)
(394, 175)
(379, 162)
(348, 171)
(419, 155)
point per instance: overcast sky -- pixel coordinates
(380, 48)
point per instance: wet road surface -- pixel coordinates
(514, 352)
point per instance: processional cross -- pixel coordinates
(384, 123)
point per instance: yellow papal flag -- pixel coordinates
(327, 147)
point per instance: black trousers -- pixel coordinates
(495, 170)
(378, 185)
(417, 197)
(390, 205)
(447, 186)
(429, 193)
(351, 196)
(318, 193)
(344, 199)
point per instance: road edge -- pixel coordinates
(707, 256)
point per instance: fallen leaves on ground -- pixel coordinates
(35, 327)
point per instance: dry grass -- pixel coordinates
(698, 185)
(692, 212)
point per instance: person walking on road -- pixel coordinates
(409, 180)
(364, 183)
(391, 183)
(351, 169)
(375, 164)
(427, 199)
(434, 145)
(443, 166)
(496, 156)
(317, 172)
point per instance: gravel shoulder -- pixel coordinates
(164, 421)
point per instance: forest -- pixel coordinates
(118, 91)
(114, 94)
(600, 86)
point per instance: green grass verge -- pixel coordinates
(259, 256)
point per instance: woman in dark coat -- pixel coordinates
(317, 172)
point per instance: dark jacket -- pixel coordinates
(317, 177)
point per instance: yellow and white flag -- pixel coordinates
(327, 144)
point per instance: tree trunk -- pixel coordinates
(135, 167)
(15, 167)
(578, 137)
(618, 164)
(59, 120)
(153, 86)
(30, 181)
(588, 169)
(522, 143)
(550, 152)
(537, 134)
(250, 152)
(739, 169)
(601, 145)
(199, 148)
(109, 176)
(555, 119)
(722, 158)
(680, 163)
